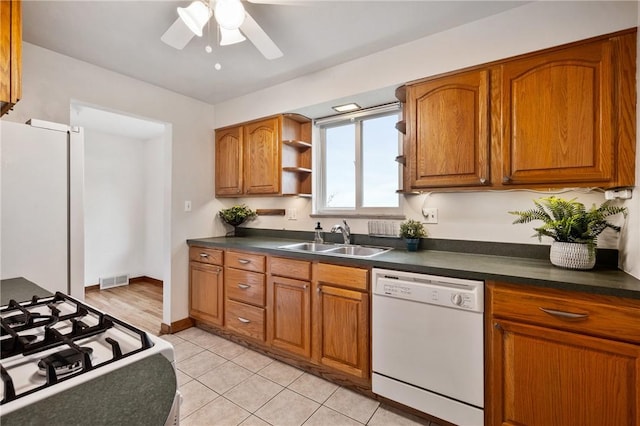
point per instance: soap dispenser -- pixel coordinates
(319, 237)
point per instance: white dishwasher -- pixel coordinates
(427, 337)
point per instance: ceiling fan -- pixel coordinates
(232, 19)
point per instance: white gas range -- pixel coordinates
(53, 344)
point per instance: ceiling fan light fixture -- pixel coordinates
(229, 14)
(228, 37)
(195, 16)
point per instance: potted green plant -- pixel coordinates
(412, 230)
(236, 215)
(573, 228)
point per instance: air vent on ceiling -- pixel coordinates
(116, 281)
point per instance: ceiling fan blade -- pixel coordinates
(259, 38)
(178, 35)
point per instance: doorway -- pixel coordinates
(126, 224)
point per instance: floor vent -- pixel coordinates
(117, 281)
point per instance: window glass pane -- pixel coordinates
(340, 170)
(379, 168)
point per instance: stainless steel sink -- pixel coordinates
(337, 249)
(359, 251)
(314, 247)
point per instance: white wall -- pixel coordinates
(123, 206)
(51, 81)
(114, 206)
(469, 216)
(153, 201)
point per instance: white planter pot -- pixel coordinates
(572, 255)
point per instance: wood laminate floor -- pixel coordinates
(139, 303)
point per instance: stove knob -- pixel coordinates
(456, 298)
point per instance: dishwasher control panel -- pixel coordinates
(436, 290)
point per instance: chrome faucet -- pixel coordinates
(346, 231)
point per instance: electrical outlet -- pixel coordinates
(187, 206)
(431, 215)
(292, 214)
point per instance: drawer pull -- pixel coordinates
(244, 320)
(243, 286)
(564, 315)
(204, 255)
(244, 261)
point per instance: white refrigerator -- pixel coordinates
(41, 207)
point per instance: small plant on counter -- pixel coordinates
(237, 215)
(412, 230)
(569, 221)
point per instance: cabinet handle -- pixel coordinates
(497, 326)
(244, 261)
(506, 179)
(564, 315)
(483, 181)
(319, 290)
(304, 287)
(243, 286)
(244, 320)
(204, 255)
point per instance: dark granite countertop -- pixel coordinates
(140, 393)
(519, 270)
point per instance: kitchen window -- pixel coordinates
(357, 171)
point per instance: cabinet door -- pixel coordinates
(447, 123)
(229, 152)
(10, 53)
(205, 292)
(558, 121)
(262, 157)
(548, 377)
(343, 330)
(289, 319)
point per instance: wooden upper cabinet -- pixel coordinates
(262, 157)
(270, 156)
(10, 54)
(229, 152)
(558, 119)
(448, 130)
(560, 115)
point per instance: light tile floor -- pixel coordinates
(224, 383)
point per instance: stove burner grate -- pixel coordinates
(59, 330)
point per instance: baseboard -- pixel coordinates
(176, 326)
(144, 278)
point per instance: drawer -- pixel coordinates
(292, 268)
(206, 255)
(245, 319)
(597, 315)
(246, 261)
(244, 286)
(344, 276)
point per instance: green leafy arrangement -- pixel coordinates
(237, 215)
(412, 229)
(569, 221)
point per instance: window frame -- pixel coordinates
(319, 184)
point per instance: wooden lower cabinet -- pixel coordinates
(341, 319)
(290, 315)
(206, 295)
(554, 368)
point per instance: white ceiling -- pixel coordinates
(124, 36)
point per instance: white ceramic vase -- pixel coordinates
(572, 255)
